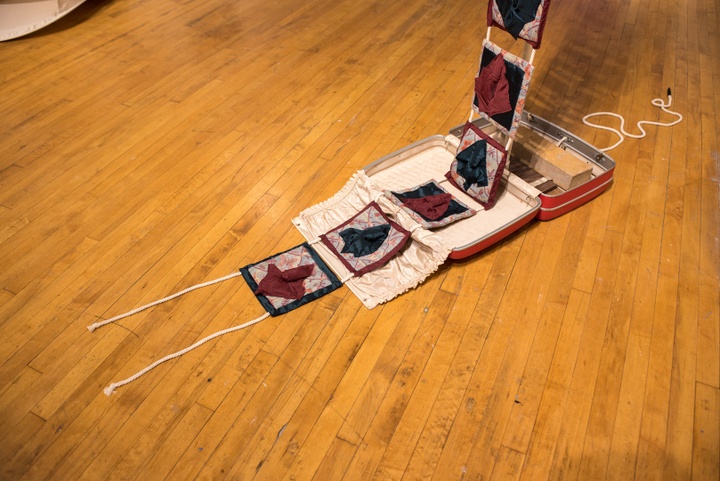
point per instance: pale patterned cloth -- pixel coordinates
(422, 255)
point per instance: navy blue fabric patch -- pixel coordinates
(472, 166)
(516, 13)
(363, 242)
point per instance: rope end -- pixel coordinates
(669, 92)
(109, 390)
(92, 328)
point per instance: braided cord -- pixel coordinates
(622, 133)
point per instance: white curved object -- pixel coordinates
(21, 17)
(622, 133)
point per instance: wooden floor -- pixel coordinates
(147, 146)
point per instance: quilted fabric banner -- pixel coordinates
(290, 279)
(523, 19)
(501, 86)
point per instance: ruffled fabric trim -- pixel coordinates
(420, 258)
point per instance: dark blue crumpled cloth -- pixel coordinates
(364, 242)
(472, 166)
(516, 13)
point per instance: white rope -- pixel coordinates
(109, 390)
(160, 301)
(622, 133)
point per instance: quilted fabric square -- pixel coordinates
(366, 241)
(520, 18)
(501, 86)
(430, 205)
(478, 166)
(290, 279)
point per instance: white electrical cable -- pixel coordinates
(622, 133)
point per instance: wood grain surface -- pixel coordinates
(146, 146)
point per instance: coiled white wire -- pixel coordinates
(622, 133)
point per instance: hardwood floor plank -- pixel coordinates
(5, 296)
(570, 444)
(709, 322)
(557, 390)
(609, 409)
(651, 448)
(307, 460)
(528, 398)
(508, 464)
(450, 397)
(379, 407)
(492, 363)
(706, 445)
(678, 448)
(165, 456)
(405, 432)
(150, 146)
(538, 291)
(207, 440)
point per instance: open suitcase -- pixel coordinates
(518, 201)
